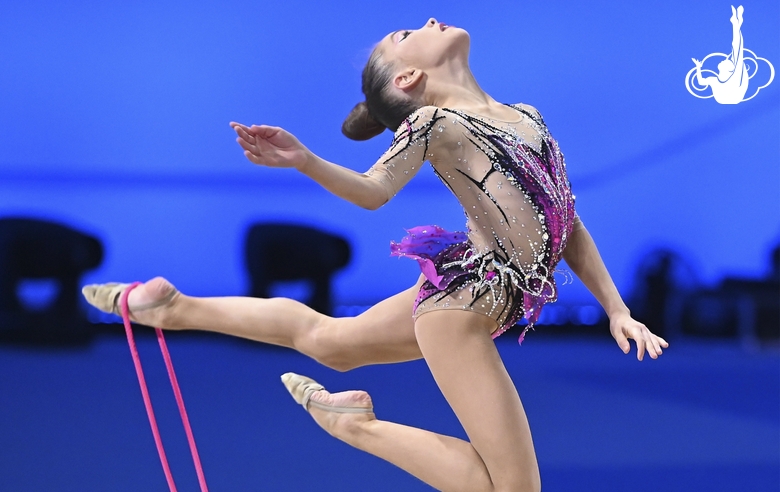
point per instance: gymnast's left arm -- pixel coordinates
(584, 259)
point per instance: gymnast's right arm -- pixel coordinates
(275, 147)
(350, 185)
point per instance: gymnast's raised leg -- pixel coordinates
(383, 334)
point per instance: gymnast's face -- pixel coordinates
(431, 46)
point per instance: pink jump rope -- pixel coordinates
(148, 401)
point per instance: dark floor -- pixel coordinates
(704, 417)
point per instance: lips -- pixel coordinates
(443, 26)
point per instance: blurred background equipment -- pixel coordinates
(665, 279)
(277, 252)
(672, 301)
(41, 265)
(738, 306)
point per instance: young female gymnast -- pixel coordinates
(508, 173)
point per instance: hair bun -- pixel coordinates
(360, 125)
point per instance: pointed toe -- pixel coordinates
(301, 388)
(104, 296)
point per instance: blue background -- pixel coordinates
(114, 120)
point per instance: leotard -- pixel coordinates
(510, 177)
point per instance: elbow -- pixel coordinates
(373, 196)
(375, 203)
(376, 198)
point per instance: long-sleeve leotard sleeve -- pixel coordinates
(411, 147)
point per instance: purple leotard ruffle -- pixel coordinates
(448, 263)
(424, 244)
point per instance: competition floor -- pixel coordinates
(705, 416)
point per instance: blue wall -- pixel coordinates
(114, 118)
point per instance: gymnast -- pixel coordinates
(506, 170)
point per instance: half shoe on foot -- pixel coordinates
(106, 297)
(301, 388)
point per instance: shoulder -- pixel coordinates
(420, 119)
(530, 111)
(426, 125)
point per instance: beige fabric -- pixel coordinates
(105, 296)
(301, 388)
(501, 218)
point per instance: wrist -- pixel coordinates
(618, 311)
(307, 163)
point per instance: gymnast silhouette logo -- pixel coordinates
(735, 70)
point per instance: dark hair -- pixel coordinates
(380, 110)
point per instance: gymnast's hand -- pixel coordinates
(271, 146)
(623, 326)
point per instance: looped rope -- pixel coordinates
(148, 402)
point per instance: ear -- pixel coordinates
(408, 79)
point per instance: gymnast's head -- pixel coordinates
(405, 71)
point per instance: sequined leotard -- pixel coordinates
(510, 178)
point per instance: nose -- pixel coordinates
(431, 22)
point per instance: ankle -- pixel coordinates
(170, 314)
(354, 430)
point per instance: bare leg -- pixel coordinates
(465, 363)
(383, 334)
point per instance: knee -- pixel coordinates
(336, 363)
(321, 344)
(529, 483)
(520, 486)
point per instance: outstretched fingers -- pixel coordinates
(251, 133)
(643, 345)
(243, 133)
(247, 145)
(648, 342)
(248, 142)
(663, 342)
(625, 327)
(622, 342)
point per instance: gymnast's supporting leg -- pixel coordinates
(383, 334)
(468, 369)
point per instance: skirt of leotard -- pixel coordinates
(460, 277)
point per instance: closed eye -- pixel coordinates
(406, 33)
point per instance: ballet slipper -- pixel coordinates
(106, 297)
(301, 388)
